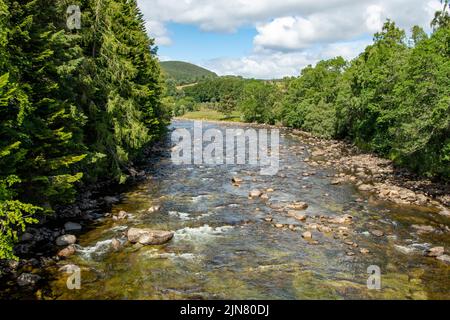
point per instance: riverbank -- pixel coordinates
(211, 115)
(53, 239)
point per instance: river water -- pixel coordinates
(224, 248)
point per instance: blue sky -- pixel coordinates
(197, 46)
(271, 39)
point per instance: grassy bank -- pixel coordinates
(212, 115)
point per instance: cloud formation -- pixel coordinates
(290, 33)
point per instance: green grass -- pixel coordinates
(211, 115)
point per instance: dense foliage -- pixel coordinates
(215, 90)
(74, 105)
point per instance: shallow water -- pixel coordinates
(224, 249)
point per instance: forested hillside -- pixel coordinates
(185, 73)
(75, 106)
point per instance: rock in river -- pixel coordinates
(255, 193)
(115, 244)
(297, 215)
(72, 226)
(154, 209)
(66, 240)
(435, 252)
(299, 206)
(377, 233)
(122, 215)
(28, 279)
(365, 188)
(67, 252)
(444, 258)
(148, 236)
(307, 235)
(236, 181)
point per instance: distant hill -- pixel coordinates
(185, 73)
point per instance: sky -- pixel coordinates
(268, 39)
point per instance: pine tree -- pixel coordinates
(40, 129)
(123, 105)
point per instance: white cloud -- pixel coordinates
(374, 18)
(158, 31)
(290, 33)
(262, 66)
(277, 64)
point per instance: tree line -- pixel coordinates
(393, 99)
(76, 106)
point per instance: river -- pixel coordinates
(226, 247)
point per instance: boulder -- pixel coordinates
(435, 252)
(72, 226)
(67, 252)
(66, 240)
(109, 201)
(148, 236)
(28, 279)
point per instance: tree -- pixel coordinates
(227, 104)
(75, 106)
(120, 86)
(442, 17)
(366, 105)
(258, 100)
(309, 103)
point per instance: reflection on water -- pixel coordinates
(225, 248)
